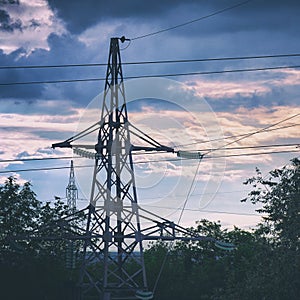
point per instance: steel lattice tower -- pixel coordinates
(71, 191)
(113, 185)
(72, 196)
(113, 262)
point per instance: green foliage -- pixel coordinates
(278, 263)
(29, 269)
(18, 208)
(265, 263)
(193, 270)
(279, 194)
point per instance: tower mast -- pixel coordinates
(113, 262)
(71, 191)
(113, 189)
(72, 196)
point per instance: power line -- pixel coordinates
(252, 154)
(233, 136)
(53, 158)
(214, 59)
(218, 156)
(189, 192)
(179, 219)
(147, 153)
(44, 169)
(197, 194)
(205, 156)
(153, 76)
(173, 197)
(252, 147)
(174, 61)
(36, 159)
(203, 210)
(151, 161)
(168, 29)
(192, 21)
(255, 132)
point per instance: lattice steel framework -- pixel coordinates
(72, 196)
(113, 186)
(71, 191)
(113, 262)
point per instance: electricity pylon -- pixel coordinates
(113, 184)
(113, 231)
(72, 196)
(113, 260)
(71, 191)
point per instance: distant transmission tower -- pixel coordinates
(113, 260)
(71, 191)
(72, 196)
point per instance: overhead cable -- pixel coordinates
(191, 21)
(155, 161)
(153, 76)
(173, 61)
(255, 132)
(203, 210)
(145, 153)
(253, 147)
(233, 136)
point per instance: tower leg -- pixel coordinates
(106, 296)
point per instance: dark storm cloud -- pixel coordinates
(63, 50)
(268, 14)
(80, 15)
(258, 27)
(3, 2)
(277, 96)
(23, 154)
(34, 23)
(54, 135)
(41, 107)
(7, 23)
(249, 19)
(16, 75)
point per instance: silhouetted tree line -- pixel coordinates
(264, 265)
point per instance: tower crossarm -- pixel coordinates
(158, 148)
(68, 228)
(165, 230)
(79, 135)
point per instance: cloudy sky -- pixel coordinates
(184, 110)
